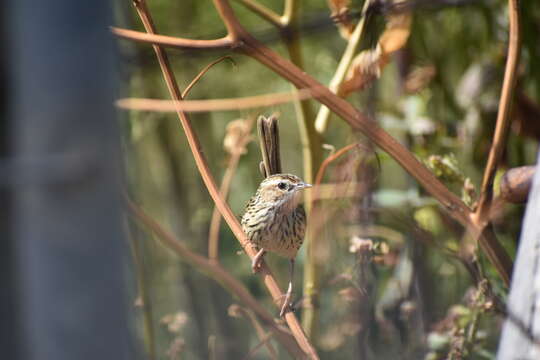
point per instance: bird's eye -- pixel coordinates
(282, 185)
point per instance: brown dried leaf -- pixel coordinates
(365, 68)
(419, 78)
(340, 15)
(337, 5)
(367, 65)
(516, 184)
(396, 34)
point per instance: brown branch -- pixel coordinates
(481, 228)
(212, 104)
(223, 43)
(205, 173)
(216, 272)
(481, 216)
(330, 159)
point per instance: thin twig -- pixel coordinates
(204, 71)
(267, 14)
(216, 272)
(202, 165)
(150, 38)
(280, 22)
(247, 102)
(498, 146)
(332, 158)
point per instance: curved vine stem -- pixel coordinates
(498, 146)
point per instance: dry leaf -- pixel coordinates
(365, 68)
(419, 78)
(367, 65)
(340, 15)
(396, 33)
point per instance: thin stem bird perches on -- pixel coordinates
(204, 170)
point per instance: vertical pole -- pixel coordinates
(65, 181)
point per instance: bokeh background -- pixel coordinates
(83, 275)
(406, 296)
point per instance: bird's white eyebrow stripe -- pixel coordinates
(274, 181)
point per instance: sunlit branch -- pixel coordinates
(223, 43)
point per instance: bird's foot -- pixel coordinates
(257, 260)
(287, 304)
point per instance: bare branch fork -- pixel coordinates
(240, 40)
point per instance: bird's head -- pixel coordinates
(282, 189)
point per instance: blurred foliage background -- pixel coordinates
(389, 288)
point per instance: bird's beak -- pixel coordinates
(303, 186)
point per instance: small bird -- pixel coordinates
(275, 221)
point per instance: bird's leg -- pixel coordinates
(287, 302)
(256, 262)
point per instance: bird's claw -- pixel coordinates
(256, 264)
(287, 305)
(257, 261)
